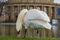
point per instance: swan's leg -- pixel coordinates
(25, 33)
(37, 32)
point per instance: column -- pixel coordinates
(50, 16)
(12, 14)
(19, 8)
(42, 8)
(49, 33)
(50, 12)
(55, 12)
(43, 33)
(35, 33)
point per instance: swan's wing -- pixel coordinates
(38, 17)
(36, 14)
(46, 16)
(37, 24)
(42, 23)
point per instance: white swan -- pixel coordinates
(33, 16)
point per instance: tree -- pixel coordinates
(1, 6)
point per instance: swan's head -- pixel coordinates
(20, 19)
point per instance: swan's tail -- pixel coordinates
(20, 19)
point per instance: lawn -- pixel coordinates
(14, 38)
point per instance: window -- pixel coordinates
(54, 25)
(54, 21)
(59, 24)
(31, 7)
(39, 7)
(52, 11)
(58, 11)
(23, 7)
(54, 28)
(8, 9)
(16, 9)
(46, 9)
(3, 10)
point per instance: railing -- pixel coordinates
(7, 23)
(9, 29)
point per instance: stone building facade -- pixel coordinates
(13, 7)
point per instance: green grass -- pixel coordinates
(15, 38)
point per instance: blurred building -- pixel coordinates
(13, 7)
